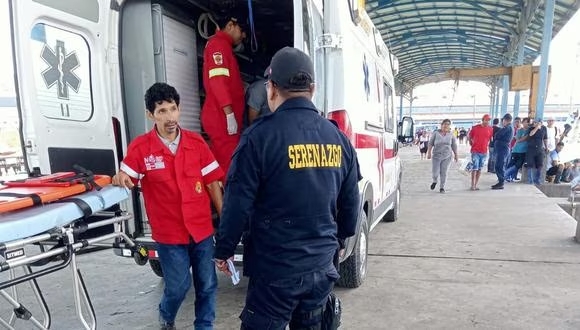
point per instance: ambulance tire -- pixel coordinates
(156, 267)
(354, 269)
(393, 215)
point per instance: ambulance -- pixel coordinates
(82, 68)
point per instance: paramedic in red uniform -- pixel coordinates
(222, 112)
(178, 175)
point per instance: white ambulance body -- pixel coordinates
(83, 67)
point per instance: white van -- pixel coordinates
(83, 67)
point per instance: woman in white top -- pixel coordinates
(423, 144)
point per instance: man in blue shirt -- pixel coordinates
(294, 183)
(501, 147)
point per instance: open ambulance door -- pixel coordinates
(63, 88)
(62, 81)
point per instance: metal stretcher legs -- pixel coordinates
(20, 311)
(82, 299)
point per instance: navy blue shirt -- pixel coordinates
(293, 184)
(503, 137)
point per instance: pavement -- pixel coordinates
(461, 260)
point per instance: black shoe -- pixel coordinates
(442, 190)
(167, 326)
(497, 186)
(433, 185)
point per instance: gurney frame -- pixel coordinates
(13, 256)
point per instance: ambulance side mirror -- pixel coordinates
(405, 128)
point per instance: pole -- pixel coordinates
(496, 103)
(473, 110)
(546, 39)
(520, 61)
(504, 101)
(401, 108)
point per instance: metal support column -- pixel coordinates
(491, 99)
(496, 103)
(520, 61)
(401, 108)
(504, 101)
(546, 39)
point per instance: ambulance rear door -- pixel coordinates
(64, 83)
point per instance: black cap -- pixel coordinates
(236, 16)
(507, 116)
(291, 69)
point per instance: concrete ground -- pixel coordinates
(460, 260)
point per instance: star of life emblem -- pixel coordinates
(154, 162)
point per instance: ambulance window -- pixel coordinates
(388, 106)
(62, 78)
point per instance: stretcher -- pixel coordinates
(15, 195)
(60, 226)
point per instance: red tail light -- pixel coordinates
(343, 121)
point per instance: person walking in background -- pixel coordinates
(462, 135)
(423, 144)
(479, 138)
(501, 145)
(442, 146)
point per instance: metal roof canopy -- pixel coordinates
(430, 37)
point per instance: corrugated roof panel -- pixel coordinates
(431, 37)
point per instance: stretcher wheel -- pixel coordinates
(156, 267)
(139, 258)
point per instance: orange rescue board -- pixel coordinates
(24, 195)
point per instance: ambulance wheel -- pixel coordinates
(156, 267)
(354, 269)
(393, 215)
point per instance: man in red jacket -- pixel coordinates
(222, 112)
(179, 178)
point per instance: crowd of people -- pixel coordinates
(506, 146)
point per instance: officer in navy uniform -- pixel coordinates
(293, 181)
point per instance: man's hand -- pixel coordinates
(428, 155)
(222, 266)
(122, 179)
(232, 124)
(456, 158)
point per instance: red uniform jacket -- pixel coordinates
(223, 86)
(174, 186)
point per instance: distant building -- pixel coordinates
(9, 111)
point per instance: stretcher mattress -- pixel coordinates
(38, 219)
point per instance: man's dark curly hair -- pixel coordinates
(158, 93)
